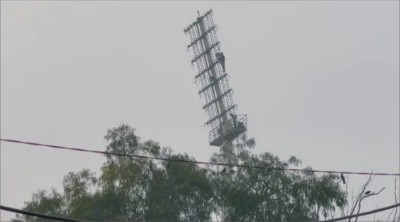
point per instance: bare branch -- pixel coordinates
(390, 214)
(364, 213)
(377, 207)
(360, 195)
(365, 196)
(359, 208)
(378, 192)
(395, 199)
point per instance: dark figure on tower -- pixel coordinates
(221, 58)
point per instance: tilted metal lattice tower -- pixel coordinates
(225, 124)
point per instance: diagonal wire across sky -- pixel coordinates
(195, 162)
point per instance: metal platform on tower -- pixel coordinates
(212, 77)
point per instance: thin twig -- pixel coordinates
(395, 199)
(364, 213)
(360, 197)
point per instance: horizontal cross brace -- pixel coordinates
(220, 115)
(200, 37)
(205, 52)
(208, 68)
(216, 99)
(215, 81)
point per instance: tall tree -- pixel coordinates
(130, 189)
(270, 194)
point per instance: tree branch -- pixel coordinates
(360, 197)
(364, 213)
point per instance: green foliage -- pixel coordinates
(49, 203)
(179, 192)
(131, 189)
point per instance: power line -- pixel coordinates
(364, 213)
(68, 219)
(36, 214)
(196, 162)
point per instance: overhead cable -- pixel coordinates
(68, 219)
(36, 214)
(197, 162)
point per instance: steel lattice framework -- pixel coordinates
(213, 81)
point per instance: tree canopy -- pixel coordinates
(131, 189)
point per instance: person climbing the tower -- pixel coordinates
(234, 119)
(221, 58)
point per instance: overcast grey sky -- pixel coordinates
(318, 80)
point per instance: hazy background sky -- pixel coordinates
(318, 80)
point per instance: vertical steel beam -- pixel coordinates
(208, 56)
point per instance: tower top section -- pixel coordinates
(212, 78)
